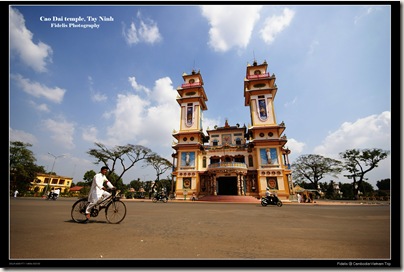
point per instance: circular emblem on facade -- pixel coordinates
(187, 183)
(185, 139)
(272, 184)
(270, 134)
(192, 138)
(261, 134)
(192, 81)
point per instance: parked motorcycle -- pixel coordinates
(272, 200)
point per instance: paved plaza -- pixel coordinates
(205, 233)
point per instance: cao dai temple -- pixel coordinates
(231, 160)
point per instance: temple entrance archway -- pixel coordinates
(227, 186)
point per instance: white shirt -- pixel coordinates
(96, 187)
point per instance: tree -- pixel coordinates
(23, 169)
(88, 176)
(314, 167)
(359, 162)
(383, 184)
(160, 164)
(126, 156)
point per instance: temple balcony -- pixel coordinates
(238, 165)
(266, 75)
(189, 85)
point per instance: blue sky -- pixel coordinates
(115, 82)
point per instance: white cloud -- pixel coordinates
(40, 107)
(128, 119)
(130, 34)
(90, 134)
(146, 121)
(95, 96)
(295, 147)
(61, 132)
(370, 132)
(231, 26)
(275, 25)
(38, 90)
(136, 86)
(22, 136)
(365, 12)
(289, 103)
(147, 32)
(313, 46)
(31, 54)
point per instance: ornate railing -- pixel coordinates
(227, 165)
(258, 76)
(188, 85)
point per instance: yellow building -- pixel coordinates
(54, 181)
(231, 160)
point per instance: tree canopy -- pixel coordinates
(23, 168)
(126, 156)
(313, 168)
(358, 162)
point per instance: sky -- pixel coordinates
(109, 73)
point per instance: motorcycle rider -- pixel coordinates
(56, 193)
(269, 195)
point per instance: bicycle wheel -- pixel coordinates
(154, 199)
(165, 199)
(115, 212)
(79, 210)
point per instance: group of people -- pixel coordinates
(54, 192)
(303, 198)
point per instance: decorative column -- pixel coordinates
(214, 185)
(239, 186)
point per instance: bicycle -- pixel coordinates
(115, 209)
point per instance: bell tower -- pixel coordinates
(190, 137)
(265, 135)
(259, 93)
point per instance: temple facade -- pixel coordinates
(231, 159)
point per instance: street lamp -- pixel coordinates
(50, 173)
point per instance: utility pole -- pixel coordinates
(50, 173)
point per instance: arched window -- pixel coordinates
(250, 161)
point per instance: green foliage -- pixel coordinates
(313, 168)
(358, 162)
(125, 156)
(23, 169)
(89, 175)
(383, 184)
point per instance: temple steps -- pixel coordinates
(229, 198)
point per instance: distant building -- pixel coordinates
(54, 181)
(231, 159)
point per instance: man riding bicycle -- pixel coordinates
(98, 191)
